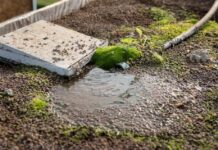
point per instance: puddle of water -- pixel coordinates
(98, 89)
(116, 100)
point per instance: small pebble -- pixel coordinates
(8, 92)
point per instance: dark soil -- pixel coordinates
(104, 16)
(10, 9)
(199, 7)
(101, 18)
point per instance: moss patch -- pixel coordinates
(78, 133)
(211, 104)
(165, 32)
(166, 27)
(209, 122)
(36, 78)
(32, 73)
(161, 15)
(38, 106)
(212, 94)
(157, 58)
(150, 40)
(175, 144)
(129, 41)
(211, 26)
(107, 57)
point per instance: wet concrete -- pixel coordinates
(120, 101)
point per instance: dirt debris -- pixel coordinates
(104, 16)
(196, 121)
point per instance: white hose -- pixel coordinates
(194, 28)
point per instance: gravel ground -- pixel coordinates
(176, 115)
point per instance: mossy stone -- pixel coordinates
(107, 57)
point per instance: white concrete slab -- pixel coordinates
(49, 46)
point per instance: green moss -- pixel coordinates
(100, 132)
(211, 113)
(175, 64)
(157, 58)
(210, 120)
(35, 77)
(129, 41)
(38, 107)
(166, 32)
(167, 142)
(211, 103)
(164, 141)
(123, 30)
(28, 72)
(175, 144)
(211, 26)
(216, 134)
(132, 136)
(204, 145)
(76, 134)
(38, 104)
(79, 133)
(212, 95)
(163, 33)
(139, 32)
(161, 15)
(157, 34)
(210, 117)
(150, 40)
(107, 57)
(166, 28)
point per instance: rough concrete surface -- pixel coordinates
(50, 46)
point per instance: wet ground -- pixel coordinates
(159, 91)
(104, 96)
(121, 101)
(170, 108)
(96, 90)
